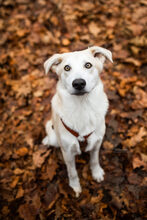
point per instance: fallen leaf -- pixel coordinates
(20, 193)
(135, 50)
(23, 151)
(131, 142)
(38, 93)
(27, 212)
(20, 87)
(51, 168)
(94, 29)
(133, 61)
(65, 42)
(40, 156)
(14, 182)
(141, 99)
(18, 171)
(50, 196)
(140, 41)
(133, 178)
(139, 162)
(107, 145)
(136, 29)
(5, 210)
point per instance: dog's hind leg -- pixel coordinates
(50, 139)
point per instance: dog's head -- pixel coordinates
(79, 71)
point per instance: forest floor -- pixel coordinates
(33, 179)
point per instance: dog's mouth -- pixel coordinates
(79, 93)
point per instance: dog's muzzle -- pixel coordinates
(79, 85)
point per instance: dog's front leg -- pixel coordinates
(97, 171)
(69, 158)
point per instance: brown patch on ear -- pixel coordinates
(99, 55)
(58, 62)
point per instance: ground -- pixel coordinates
(33, 179)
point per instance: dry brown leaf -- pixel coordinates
(141, 99)
(51, 196)
(138, 162)
(20, 193)
(144, 182)
(85, 6)
(18, 171)
(133, 178)
(20, 88)
(140, 41)
(5, 210)
(38, 93)
(65, 41)
(135, 50)
(122, 54)
(51, 168)
(111, 23)
(108, 146)
(22, 151)
(144, 157)
(63, 190)
(125, 85)
(27, 212)
(85, 171)
(94, 29)
(29, 140)
(136, 29)
(133, 61)
(22, 32)
(102, 206)
(40, 156)
(14, 182)
(131, 142)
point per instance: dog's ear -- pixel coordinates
(101, 53)
(52, 62)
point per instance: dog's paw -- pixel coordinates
(76, 187)
(45, 141)
(98, 174)
(77, 191)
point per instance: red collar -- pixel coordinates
(74, 133)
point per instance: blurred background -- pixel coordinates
(33, 179)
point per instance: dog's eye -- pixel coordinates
(88, 65)
(67, 68)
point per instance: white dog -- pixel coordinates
(78, 108)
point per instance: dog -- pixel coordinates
(79, 107)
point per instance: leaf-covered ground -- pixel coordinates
(33, 179)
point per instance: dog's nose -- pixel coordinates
(79, 84)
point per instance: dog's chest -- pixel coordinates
(81, 117)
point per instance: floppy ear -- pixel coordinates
(101, 53)
(52, 62)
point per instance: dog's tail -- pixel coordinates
(50, 139)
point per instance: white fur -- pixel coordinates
(84, 114)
